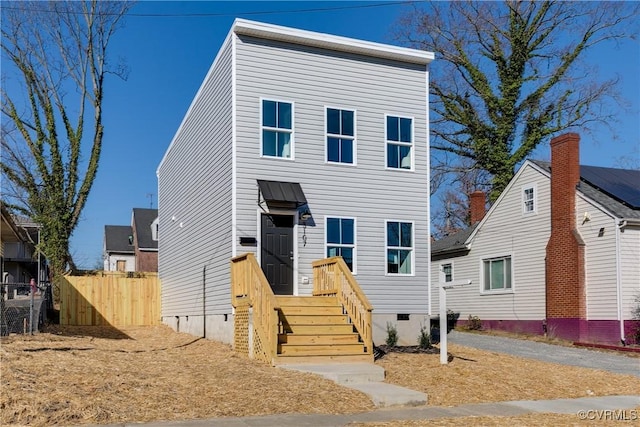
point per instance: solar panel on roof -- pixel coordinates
(621, 184)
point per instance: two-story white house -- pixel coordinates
(299, 146)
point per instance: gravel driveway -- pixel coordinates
(550, 353)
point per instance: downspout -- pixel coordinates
(619, 226)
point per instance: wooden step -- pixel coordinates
(320, 329)
(286, 301)
(311, 310)
(321, 349)
(330, 339)
(324, 319)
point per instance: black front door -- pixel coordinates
(277, 252)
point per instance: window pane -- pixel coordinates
(269, 113)
(284, 144)
(487, 275)
(284, 115)
(392, 156)
(393, 234)
(405, 156)
(392, 129)
(347, 232)
(346, 151)
(347, 255)
(405, 262)
(507, 273)
(332, 251)
(347, 123)
(405, 238)
(268, 143)
(447, 271)
(497, 274)
(333, 230)
(333, 149)
(393, 260)
(333, 121)
(405, 130)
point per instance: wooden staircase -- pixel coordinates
(315, 329)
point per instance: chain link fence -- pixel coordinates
(23, 309)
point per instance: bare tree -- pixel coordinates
(510, 74)
(54, 68)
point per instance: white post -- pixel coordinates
(444, 355)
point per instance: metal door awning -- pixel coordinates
(281, 194)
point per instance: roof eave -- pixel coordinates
(328, 41)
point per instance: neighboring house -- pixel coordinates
(118, 248)
(558, 252)
(134, 247)
(20, 260)
(299, 146)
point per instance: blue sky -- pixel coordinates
(169, 56)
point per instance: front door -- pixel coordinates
(277, 252)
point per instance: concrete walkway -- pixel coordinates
(573, 356)
(623, 405)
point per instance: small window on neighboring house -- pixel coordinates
(277, 129)
(155, 229)
(121, 265)
(496, 274)
(341, 240)
(399, 247)
(340, 136)
(399, 140)
(528, 199)
(447, 272)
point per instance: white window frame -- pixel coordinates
(503, 290)
(412, 249)
(276, 129)
(355, 239)
(328, 135)
(412, 144)
(443, 275)
(155, 229)
(533, 200)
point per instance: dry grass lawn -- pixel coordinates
(75, 375)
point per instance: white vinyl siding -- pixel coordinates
(505, 231)
(599, 236)
(313, 79)
(194, 201)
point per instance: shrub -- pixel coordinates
(392, 335)
(474, 323)
(424, 340)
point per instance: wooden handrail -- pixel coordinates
(248, 281)
(331, 276)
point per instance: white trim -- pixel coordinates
(428, 182)
(524, 200)
(234, 150)
(354, 139)
(276, 129)
(355, 239)
(510, 290)
(327, 41)
(412, 144)
(413, 248)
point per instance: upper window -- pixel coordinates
(399, 142)
(447, 272)
(496, 274)
(340, 136)
(341, 240)
(528, 199)
(155, 228)
(399, 247)
(277, 129)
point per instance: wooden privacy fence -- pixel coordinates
(110, 299)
